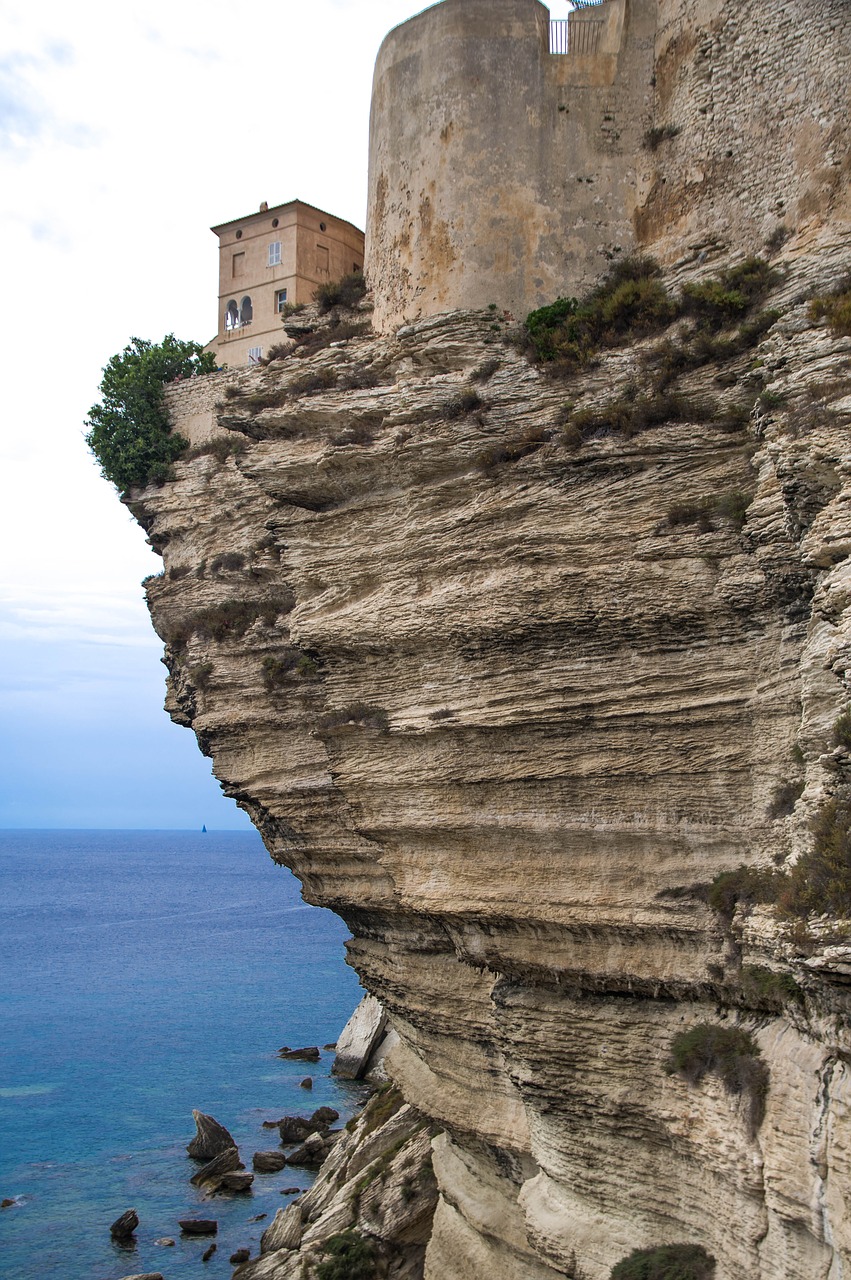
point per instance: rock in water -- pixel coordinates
(295, 1129)
(268, 1161)
(225, 1162)
(300, 1055)
(123, 1227)
(307, 1083)
(208, 1253)
(198, 1226)
(360, 1035)
(241, 1255)
(238, 1181)
(148, 1275)
(324, 1115)
(166, 1242)
(7, 1204)
(210, 1139)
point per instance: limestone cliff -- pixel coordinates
(501, 710)
(508, 667)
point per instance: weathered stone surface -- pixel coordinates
(359, 1038)
(123, 1227)
(284, 1231)
(268, 1161)
(210, 1139)
(211, 1174)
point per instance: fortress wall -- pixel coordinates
(762, 96)
(498, 172)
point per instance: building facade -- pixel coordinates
(270, 259)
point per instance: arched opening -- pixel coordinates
(231, 316)
(246, 313)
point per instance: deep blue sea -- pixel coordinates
(144, 973)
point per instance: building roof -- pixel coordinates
(258, 213)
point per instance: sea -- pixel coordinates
(144, 974)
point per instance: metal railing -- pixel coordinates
(575, 37)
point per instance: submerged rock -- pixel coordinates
(147, 1275)
(7, 1204)
(208, 1253)
(268, 1161)
(210, 1139)
(166, 1242)
(123, 1227)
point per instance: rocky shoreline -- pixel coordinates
(374, 1191)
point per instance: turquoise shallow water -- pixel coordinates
(143, 974)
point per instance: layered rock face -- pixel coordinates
(508, 668)
(490, 697)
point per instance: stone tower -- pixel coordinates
(505, 152)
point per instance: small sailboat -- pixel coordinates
(203, 828)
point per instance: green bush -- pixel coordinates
(462, 405)
(748, 885)
(129, 431)
(666, 1262)
(629, 302)
(350, 1257)
(765, 985)
(835, 308)
(726, 1052)
(820, 881)
(346, 292)
(730, 295)
(842, 730)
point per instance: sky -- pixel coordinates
(126, 131)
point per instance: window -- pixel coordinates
(280, 300)
(322, 260)
(255, 355)
(246, 311)
(275, 253)
(238, 264)
(231, 316)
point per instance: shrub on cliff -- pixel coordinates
(129, 431)
(820, 881)
(666, 1262)
(727, 1052)
(350, 1258)
(629, 302)
(730, 295)
(835, 308)
(341, 293)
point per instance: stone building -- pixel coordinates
(269, 259)
(516, 166)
